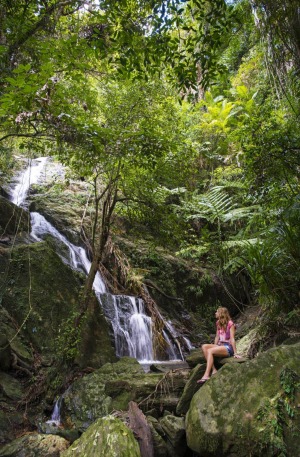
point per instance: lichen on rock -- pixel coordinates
(106, 437)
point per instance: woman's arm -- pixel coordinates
(232, 341)
(217, 337)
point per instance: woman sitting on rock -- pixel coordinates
(224, 345)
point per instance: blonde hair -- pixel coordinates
(223, 317)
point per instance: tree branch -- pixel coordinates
(28, 135)
(40, 24)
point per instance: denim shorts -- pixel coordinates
(229, 349)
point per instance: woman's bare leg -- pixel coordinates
(210, 352)
(205, 349)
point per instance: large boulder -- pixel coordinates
(249, 409)
(107, 437)
(190, 389)
(35, 445)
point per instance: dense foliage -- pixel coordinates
(183, 116)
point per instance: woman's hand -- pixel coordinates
(237, 356)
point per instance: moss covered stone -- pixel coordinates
(107, 437)
(190, 389)
(108, 388)
(114, 385)
(10, 386)
(236, 411)
(40, 292)
(13, 219)
(34, 445)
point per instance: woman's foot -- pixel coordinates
(202, 380)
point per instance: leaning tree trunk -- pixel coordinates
(141, 430)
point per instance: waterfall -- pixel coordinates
(26, 179)
(55, 417)
(131, 326)
(74, 256)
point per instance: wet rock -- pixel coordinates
(96, 346)
(107, 437)
(167, 366)
(241, 411)
(97, 394)
(35, 445)
(51, 428)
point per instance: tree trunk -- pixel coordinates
(141, 430)
(88, 287)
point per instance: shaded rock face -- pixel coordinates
(40, 289)
(107, 437)
(39, 295)
(35, 445)
(190, 389)
(13, 219)
(244, 410)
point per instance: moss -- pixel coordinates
(107, 437)
(13, 219)
(224, 413)
(40, 292)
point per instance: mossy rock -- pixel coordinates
(13, 218)
(174, 430)
(40, 293)
(113, 386)
(241, 412)
(12, 342)
(190, 389)
(195, 357)
(87, 399)
(96, 347)
(157, 433)
(10, 386)
(35, 445)
(11, 421)
(107, 437)
(5, 352)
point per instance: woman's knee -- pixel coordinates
(205, 347)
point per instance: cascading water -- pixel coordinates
(30, 176)
(55, 417)
(74, 256)
(131, 326)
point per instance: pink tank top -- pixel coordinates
(224, 335)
